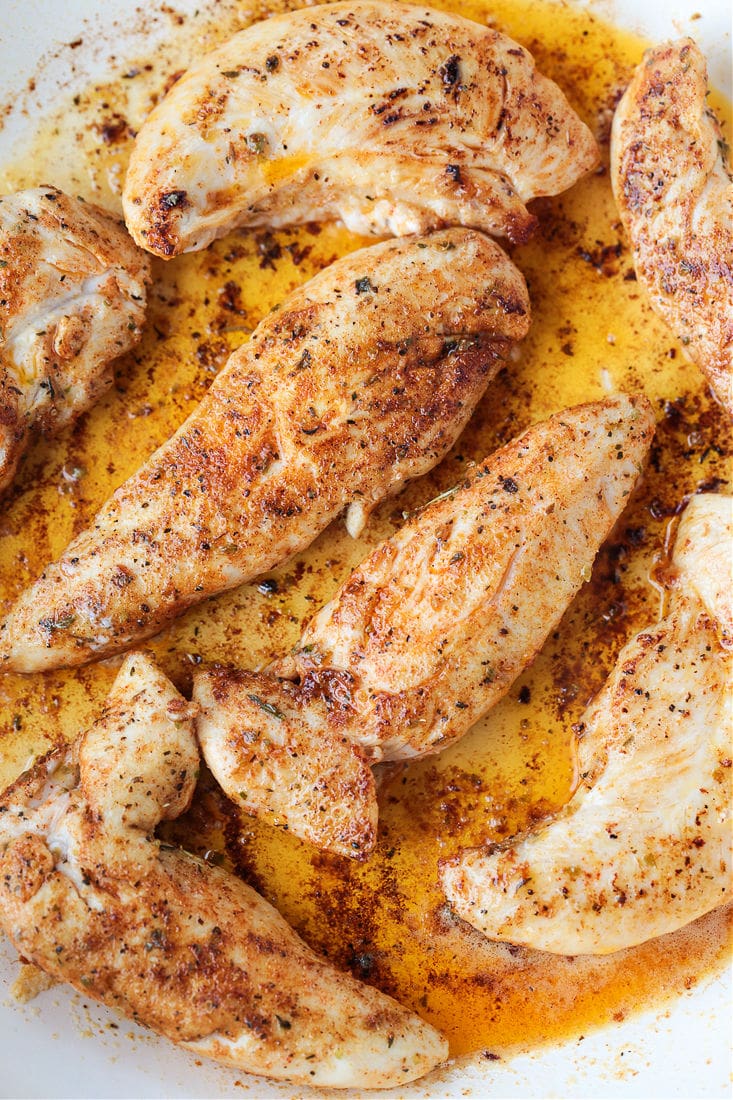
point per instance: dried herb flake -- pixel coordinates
(364, 285)
(267, 707)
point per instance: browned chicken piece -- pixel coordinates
(363, 378)
(428, 633)
(644, 845)
(91, 897)
(394, 118)
(72, 299)
(674, 193)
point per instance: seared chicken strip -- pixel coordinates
(674, 193)
(428, 633)
(91, 897)
(644, 845)
(396, 119)
(363, 378)
(72, 299)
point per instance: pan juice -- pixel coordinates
(592, 334)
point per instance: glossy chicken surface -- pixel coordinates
(428, 633)
(72, 299)
(395, 119)
(363, 379)
(644, 845)
(674, 192)
(92, 898)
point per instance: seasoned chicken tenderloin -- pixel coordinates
(644, 845)
(674, 192)
(394, 118)
(428, 633)
(92, 898)
(72, 300)
(363, 378)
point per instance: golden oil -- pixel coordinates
(592, 333)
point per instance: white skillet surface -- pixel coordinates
(58, 1046)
